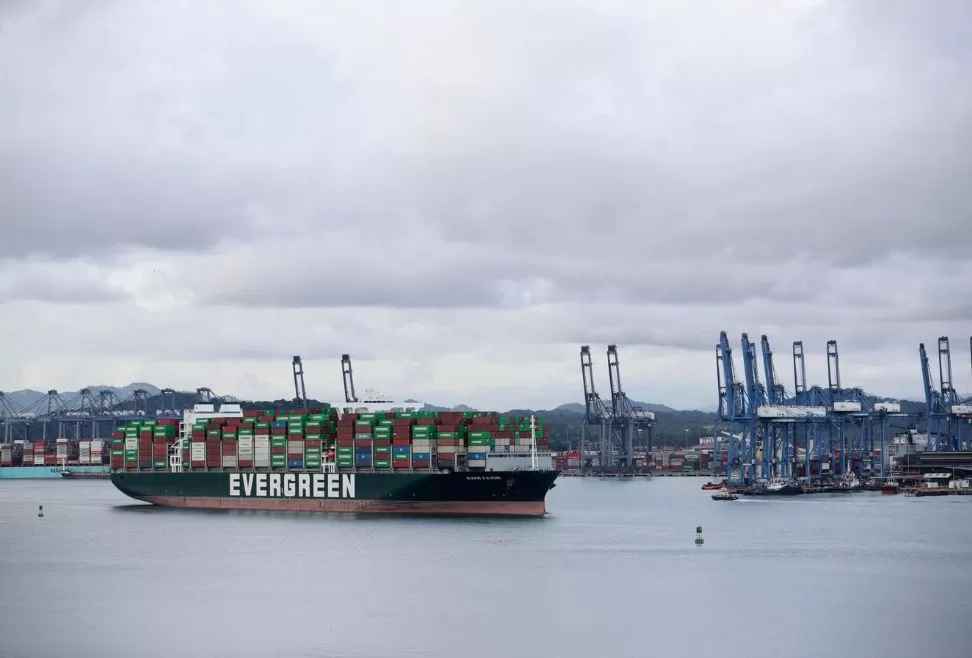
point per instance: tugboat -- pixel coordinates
(724, 494)
(890, 486)
(850, 483)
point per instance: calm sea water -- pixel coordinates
(613, 572)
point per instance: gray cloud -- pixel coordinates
(68, 283)
(458, 176)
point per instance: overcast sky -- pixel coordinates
(461, 194)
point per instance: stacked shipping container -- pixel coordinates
(299, 439)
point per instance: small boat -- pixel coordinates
(709, 486)
(724, 494)
(890, 487)
(84, 475)
(776, 487)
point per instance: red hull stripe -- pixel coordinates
(497, 508)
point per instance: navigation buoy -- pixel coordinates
(698, 536)
(40, 511)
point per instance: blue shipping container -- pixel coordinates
(419, 456)
(295, 463)
(401, 449)
(280, 425)
(477, 456)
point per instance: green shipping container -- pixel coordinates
(382, 463)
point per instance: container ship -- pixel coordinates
(79, 458)
(382, 458)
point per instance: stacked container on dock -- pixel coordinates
(6, 454)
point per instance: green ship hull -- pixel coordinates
(494, 493)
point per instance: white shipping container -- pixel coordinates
(888, 407)
(229, 461)
(39, 459)
(261, 462)
(97, 444)
(131, 444)
(445, 449)
(477, 462)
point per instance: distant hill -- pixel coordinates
(25, 398)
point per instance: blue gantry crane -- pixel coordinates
(770, 426)
(733, 410)
(626, 418)
(88, 413)
(948, 415)
(617, 423)
(596, 413)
